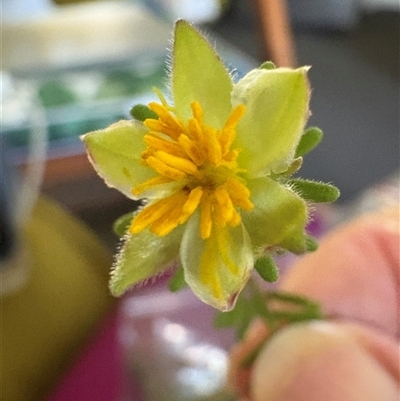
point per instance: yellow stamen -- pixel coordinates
(152, 182)
(159, 126)
(148, 216)
(235, 220)
(231, 156)
(164, 169)
(178, 163)
(153, 124)
(197, 111)
(239, 194)
(158, 143)
(166, 117)
(229, 131)
(195, 131)
(164, 226)
(233, 119)
(212, 146)
(155, 212)
(170, 220)
(192, 150)
(191, 203)
(225, 203)
(218, 215)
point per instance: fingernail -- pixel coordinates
(319, 361)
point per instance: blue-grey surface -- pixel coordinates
(357, 106)
(327, 14)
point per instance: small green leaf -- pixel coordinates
(267, 269)
(314, 191)
(268, 65)
(121, 225)
(177, 281)
(311, 243)
(141, 112)
(310, 139)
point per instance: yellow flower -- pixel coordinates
(206, 166)
(196, 159)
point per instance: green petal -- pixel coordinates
(216, 268)
(198, 74)
(276, 111)
(278, 214)
(142, 256)
(115, 154)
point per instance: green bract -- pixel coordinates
(221, 205)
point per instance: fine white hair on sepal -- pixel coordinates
(119, 257)
(169, 59)
(292, 188)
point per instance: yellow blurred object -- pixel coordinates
(47, 321)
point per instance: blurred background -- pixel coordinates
(71, 67)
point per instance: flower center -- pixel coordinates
(196, 167)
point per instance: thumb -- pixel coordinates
(325, 361)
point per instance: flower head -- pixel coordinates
(206, 164)
(198, 161)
